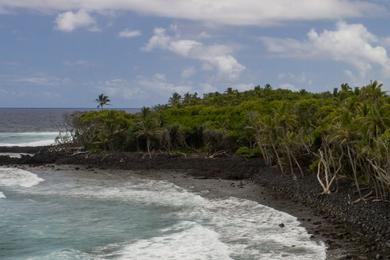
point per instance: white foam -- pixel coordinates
(185, 241)
(15, 155)
(2, 196)
(6, 134)
(28, 139)
(30, 144)
(65, 254)
(235, 228)
(18, 177)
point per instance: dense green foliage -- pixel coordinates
(345, 133)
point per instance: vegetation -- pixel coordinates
(344, 134)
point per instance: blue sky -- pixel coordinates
(63, 53)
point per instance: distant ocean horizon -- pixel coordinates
(36, 126)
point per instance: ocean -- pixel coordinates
(48, 214)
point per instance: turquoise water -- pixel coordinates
(60, 215)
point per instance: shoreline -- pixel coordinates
(324, 217)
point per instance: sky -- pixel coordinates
(64, 53)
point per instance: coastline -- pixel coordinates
(237, 177)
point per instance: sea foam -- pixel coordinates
(30, 139)
(18, 177)
(15, 155)
(29, 144)
(184, 241)
(230, 228)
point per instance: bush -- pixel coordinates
(248, 152)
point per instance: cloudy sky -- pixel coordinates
(63, 53)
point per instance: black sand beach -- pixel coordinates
(350, 230)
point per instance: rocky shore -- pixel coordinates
(352, 229)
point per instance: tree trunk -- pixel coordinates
(148, 147)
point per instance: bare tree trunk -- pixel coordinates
(330, 177)
(299, 166)
(289, 159)
(148, 147)
(353, 165)
(278, 158)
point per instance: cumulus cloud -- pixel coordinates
(160, 85)
(188, 72)
(348, 43)
(127, 33)
(33, 80)
(119, 88)
(229, 12)
(155, 88)
(290, 79)
(217, 57)
(70, 21)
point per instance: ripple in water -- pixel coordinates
(103, 217)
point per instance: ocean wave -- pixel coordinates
(2, 195)
(27, 138)
(184, 241)
(7, 134)
(30, 144)
(66, 254)
(15, 155)
(18, 177)
(235, 228)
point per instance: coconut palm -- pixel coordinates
(148, 127)
(372, 92)
(102, 101)
(175, 100)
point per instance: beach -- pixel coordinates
(336, 235)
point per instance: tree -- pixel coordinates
(148, 126)
(341, 136)
(175, 100)
(102, 101)
(372, 92)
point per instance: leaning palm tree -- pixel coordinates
(102, 101)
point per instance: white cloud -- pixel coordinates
(188, 72)
(243, 86)
(159, 85)
(70, 21)
(156, 88)
(291, 79)
(207, 88)
(129, 33)
(77, 63)
(386, 41)
(119, 88)
(217, 57)
(39, 80)
(348, 43)
(229, 12)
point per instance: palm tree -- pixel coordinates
(175, 100)
(102, 101)
(372, 92)
(148, 127)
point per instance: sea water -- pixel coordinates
(68, 215)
